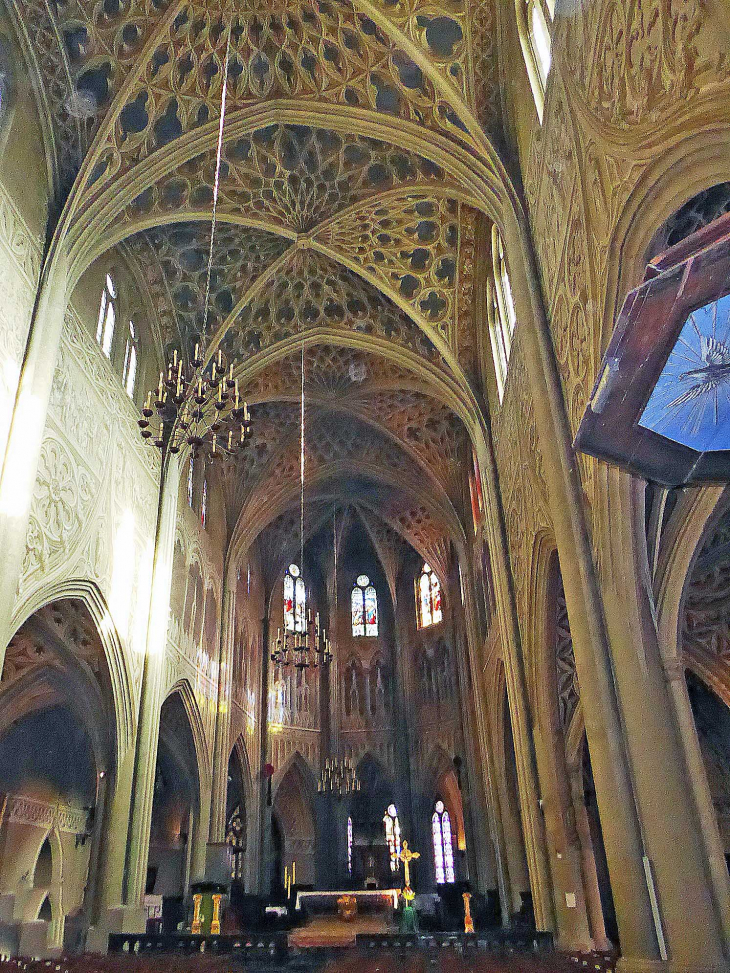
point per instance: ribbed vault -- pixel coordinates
(356, 156)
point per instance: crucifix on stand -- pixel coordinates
(408, 916)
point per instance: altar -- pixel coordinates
(332, 920)
(367, 900)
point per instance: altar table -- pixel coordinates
(322, 901)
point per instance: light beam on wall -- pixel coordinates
(120, 598)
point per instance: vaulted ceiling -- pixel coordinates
(357, 156)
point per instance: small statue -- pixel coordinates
(468, 921)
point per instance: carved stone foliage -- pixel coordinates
(19, 269)
(313, 291)
(62, 499)
(467, 320)
(410, 243)
(631, 63)
(521, 478)
(706, 618)
(294, 176)
(96, 489)
(483, 31)
(177, 280)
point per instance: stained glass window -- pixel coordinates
(500, 311)
(130, 361)
(191, 475)
(295, 600)
(204, 504)
(443, 850)
(428, 598)
(364, 602)
(392, 836)
(349, 846)
(107, 316)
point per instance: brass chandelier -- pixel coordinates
(309, 649)
(197, 406)
(338, 778)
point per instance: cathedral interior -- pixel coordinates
(330, 535)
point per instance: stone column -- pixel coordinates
(505, 616)
(611, 766)
(563, 847)
(588, 859)
(264, 811)
(516, 867)
(678, 871)
(25, 436)
(219, 785)
(480, 760)
(148, 725)
(199, 837)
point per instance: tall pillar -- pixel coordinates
(677, 868)
(148, 724)
(480, 769)
(516, 868)
(532, 820)
(219, 785)
(264, 811)
(564, 849)
(588, 859)
(25, 436)
(611, 767)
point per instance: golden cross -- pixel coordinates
(407, 856)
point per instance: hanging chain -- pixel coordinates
(301, 472)
(216, 182)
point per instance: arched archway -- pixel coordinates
(366, 808)
(441, 784)
(59, 743)
(293, 807)
(239, 822)
(176, 806)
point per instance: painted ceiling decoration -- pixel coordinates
(358, 154)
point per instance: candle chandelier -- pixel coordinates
(198, 407)
(338, 778)
(199, 404)
(309, 649)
